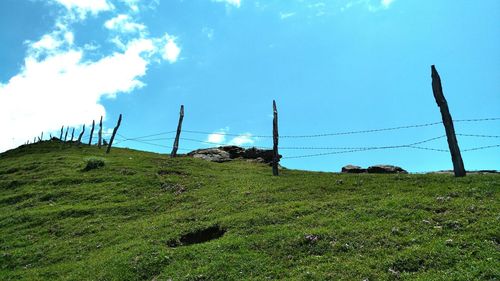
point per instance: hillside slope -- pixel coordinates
(145, 216)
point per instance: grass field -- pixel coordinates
(138, 218)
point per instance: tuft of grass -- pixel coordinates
(119, 222)
(93, 163)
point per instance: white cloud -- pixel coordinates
(83, 7)
(124, 24)
(63, 89)
(171, 51)
(242, 140)
(236, 3)
(218, 137)
(132, 4)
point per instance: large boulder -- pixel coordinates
(386, 169)
(211, 154)
(351, 169)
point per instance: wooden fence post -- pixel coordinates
(276, 158)
(62, 129)
(456, 157)
(66, 135)
(81, 134)
(99, 140)
(41, 137)
(72, 134)
(179, 128)
(91, 132)
(114, 133)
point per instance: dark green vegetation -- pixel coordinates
(142, 215)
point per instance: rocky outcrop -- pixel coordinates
(227, 153)
(351, 169)
(211, 154)
(386, 169)
(376, 169)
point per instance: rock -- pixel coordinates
(233, 150)
(351, 169)
(211, 154)
(227, 153)
(386, 169)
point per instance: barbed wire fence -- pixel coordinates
(311, 151)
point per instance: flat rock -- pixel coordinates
(386, 169)
(352, 169)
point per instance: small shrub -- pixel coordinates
(93, 163)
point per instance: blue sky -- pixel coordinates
(332, 66)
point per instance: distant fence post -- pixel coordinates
(99, 140)
(179, 128)
(62, 129)
(72, 134)
(41, 137)
(114, 133)
(275, 140)
(91, 132)
(456, 157)
(66, 135)
(81, 134)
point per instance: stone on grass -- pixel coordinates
(386, 169)
(352, 169)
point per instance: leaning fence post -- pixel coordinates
(179, 128)
(62, 129)
(72, 134)
(91, 132)
(99, 140)
(114, 133)
(66, 135)
(276, 158)
(456, 157)
(81, 134)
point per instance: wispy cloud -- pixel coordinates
(286, 15)
(235, 3)
(82, 8)
(123, 23)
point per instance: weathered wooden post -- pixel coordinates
(72, 134)
(91, 132)
(456, 157)
(66, 135)
(62, 129)
(41, 137)
(276, 158)
(81, 135)
(179, 128)
(114, 133)
(99, 140)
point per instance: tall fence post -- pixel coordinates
(66, 134)
(81, 134)
(456, 157)
(72, 134)
(114, 133)
(41, 137)
(276, 158)
(179, 128)
(62, 129)
(92, 132)
(99, 140)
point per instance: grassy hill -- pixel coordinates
(144, 216)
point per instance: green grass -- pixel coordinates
(116, 222)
